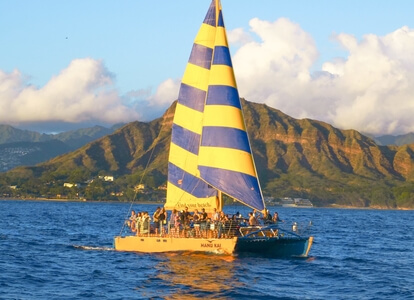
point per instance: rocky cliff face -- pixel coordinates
(284, 142)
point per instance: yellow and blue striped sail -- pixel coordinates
(210, 148)
(184, 187)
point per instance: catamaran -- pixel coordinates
(210, 155)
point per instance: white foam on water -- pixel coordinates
(93, 248)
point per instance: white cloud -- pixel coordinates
(238, 37)
(371, 90)
(151, 106)
(166, 92)
(275, 70)
(377, 84)
(83, 91)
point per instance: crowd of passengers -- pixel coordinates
(196, 224)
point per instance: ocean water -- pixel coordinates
(63, 250)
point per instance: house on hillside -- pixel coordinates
(162, 187)
(139, 187)
(106, 178)
(71, 185)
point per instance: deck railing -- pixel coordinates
(228, 229)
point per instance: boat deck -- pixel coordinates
(229, 229)
(216, 231)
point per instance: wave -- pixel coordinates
(93, 248)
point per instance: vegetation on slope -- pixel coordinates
(294, 158)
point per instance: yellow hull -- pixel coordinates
(152, 244)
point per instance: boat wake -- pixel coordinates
(93, 248)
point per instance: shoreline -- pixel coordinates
(335, 206)
(74, 200)
(370, 207)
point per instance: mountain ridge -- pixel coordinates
(294, 157)
(25, 142)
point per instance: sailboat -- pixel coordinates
(210, 155)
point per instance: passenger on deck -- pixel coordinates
(252, 220)
(186, 216)
(276, 218)
(174, 219)
(203, 221)
(196, 222)
(214, 221)
(255, 213)
(223, 217)
(185, 221)
(177, 222)
(222, 221)
(156, 219)
(138, 222)
(131, 221)
(215, 217)
(162, 218)
(267, 217)
(145, 223)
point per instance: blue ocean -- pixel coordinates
(63, 250)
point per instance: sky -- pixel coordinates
(73, 64)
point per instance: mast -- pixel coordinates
(220, 201)
(218, 8)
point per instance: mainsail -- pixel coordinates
(210, 149)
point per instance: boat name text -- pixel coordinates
(210, 245)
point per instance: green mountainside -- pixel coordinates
(74, 138)
(9, 134)
(23, 147)
(294, 158)
(78, 138)
(398, 140)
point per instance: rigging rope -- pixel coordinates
(136, 192)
